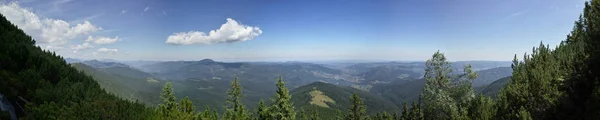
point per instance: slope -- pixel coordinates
(50, 87)
(492, 89)
(125, 82)
(336, 98)
(488, 76)
(400, 91)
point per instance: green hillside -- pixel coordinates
(125, 82)
(133, 84)
(492, 89)
(50, 88)
(400, 91)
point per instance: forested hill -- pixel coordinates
(50, 88)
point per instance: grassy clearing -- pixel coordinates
(319, 99)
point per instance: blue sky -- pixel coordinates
(294, 30)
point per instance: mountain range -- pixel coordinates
(383, 85)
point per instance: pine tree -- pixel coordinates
(443, 98)
(482, 108)
(262, 111)
(405, 114)
(186, 109)
(282, 108)
(235, 110)
(534, 86)
(208, 114)
(415, 112)
(357, 110)
(168, 109)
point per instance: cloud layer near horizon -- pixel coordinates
(230, 32)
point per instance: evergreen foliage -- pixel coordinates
(357, 110)
(282, 108)
(235, 108)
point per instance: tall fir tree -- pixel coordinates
(405, 112)
(262, 111)
(235, 109)
(186, 109)
(168, 109)
(208, 114)
(357, 109)
(282, 108)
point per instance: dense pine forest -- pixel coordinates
(547, 83)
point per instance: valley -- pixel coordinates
(206, 81)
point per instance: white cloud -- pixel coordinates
(124, 11)
(164, 12)
(102, 40)
(83, 46)
(106, 51)
(229, 32)
(146, 9)
(47, 30)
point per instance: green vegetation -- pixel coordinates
(52, 89)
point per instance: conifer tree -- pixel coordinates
(282, 108)
(262, 111)
(405, 114)
(443, 97)
(357, 109)
(208, 114)
(482, 108)
(235, 110)
(186, 109)
(168, 109)
(415, 112)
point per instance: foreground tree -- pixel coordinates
(186, 109)
(357, 110)
(262, 111)
(235, 110)
(282, 108)
(405, 114)
(208, 114)
(445, 96)
(482, 108)
(168, 109)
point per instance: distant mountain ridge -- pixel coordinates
(101, 64)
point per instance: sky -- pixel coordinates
(293, 30)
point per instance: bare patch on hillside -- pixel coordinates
(319, 99)
(152, 80)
